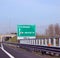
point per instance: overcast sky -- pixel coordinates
(39, 12)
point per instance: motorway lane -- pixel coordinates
(20, 53)
(0, 44)
(2, 54)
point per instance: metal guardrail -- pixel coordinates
(38, 48)
(43, 41)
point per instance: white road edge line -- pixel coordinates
(6, 52)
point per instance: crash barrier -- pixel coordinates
(44, 42)
(38, 48)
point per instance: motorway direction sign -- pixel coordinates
(26, 31)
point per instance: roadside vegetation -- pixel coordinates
(14, 39)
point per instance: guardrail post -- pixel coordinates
(49, 41)
(25, 41)
(22, 41)
(59, 42)
(54, 42)
(34, 41)
(30, 41)
(42, 42)
(46, 42)
(39, 41)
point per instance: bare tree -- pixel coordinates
(53, 30)
(50, 30)
(57, 30)
(46, 32)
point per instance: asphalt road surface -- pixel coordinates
(20, 53)
(7, 51)
(3, 54)
(17, 53)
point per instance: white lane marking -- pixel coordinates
(6, 52)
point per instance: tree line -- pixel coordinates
(53, 30)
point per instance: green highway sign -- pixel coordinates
(26, 31)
